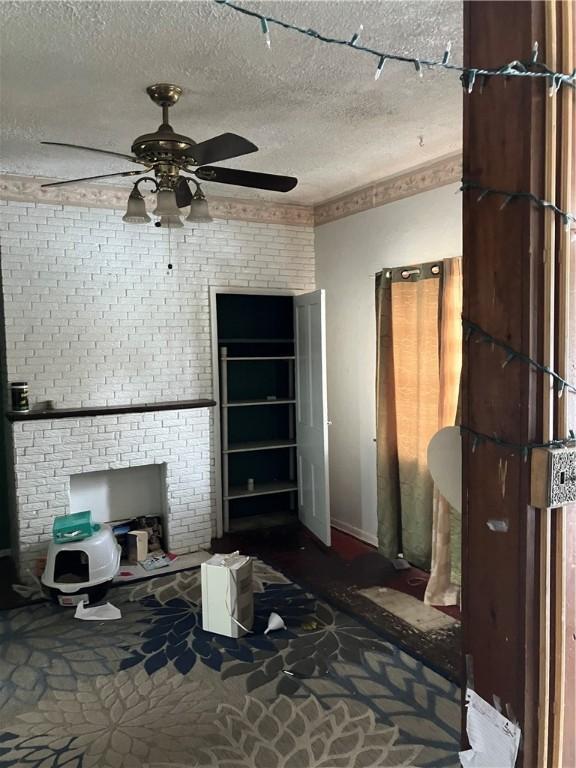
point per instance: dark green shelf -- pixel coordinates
(260, 445)
(261, 489)
(242, 403)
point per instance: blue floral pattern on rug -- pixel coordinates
(36, 753)
(154, 689)
(42, 647)
(174, 634)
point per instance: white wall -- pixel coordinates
(349, 252)
(93, 315)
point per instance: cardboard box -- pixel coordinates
(227, 595)
(137, 546)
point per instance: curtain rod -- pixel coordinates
(430, 269)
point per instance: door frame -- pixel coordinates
(214, 292)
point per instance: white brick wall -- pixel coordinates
(94, 317)
(48, 452)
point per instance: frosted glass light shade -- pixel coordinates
(173, 222)
(136, 209)
(199, 210)
(166, 203)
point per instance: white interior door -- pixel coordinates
(311, 414)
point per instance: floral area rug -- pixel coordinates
(154, 690)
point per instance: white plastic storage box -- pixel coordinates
(227, 595)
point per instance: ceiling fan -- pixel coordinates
(170, 155)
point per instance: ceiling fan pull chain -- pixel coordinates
(170, 265)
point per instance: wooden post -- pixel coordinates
(548, 391)
(563, 668)
(503, 257)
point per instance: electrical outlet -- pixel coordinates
(553, 480)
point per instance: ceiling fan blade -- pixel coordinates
(246, 178)
(221, 147)
(91, 178)
(183, 193)
(93, 149)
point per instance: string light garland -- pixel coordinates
(567, 217)
(473, 329)
(469, 75)
(523, 448)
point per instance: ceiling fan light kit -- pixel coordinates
(169, 155)
(136, 209)
(170, 222)
(166, 203)
(199, 211)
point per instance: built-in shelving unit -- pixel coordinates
(258, 462)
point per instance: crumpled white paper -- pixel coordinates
(494, 739)
(107, 612)
(26, 591)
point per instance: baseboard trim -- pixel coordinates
(358, 533)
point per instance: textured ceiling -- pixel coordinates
(77, 72)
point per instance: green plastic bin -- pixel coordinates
(75, 527)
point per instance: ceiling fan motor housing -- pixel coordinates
(164, 144)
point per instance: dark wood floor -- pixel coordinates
(339, 572)
(8, 597)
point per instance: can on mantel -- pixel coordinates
(19, 395)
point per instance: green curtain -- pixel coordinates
(388, 486)
(407, 304)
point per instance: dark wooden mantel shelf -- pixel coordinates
(108, 410)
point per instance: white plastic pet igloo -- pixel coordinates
(82, 560)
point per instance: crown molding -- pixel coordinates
(28, 189)
(438, 173)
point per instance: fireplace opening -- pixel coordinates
(133, 502)
(120, 494)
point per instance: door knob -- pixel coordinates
(329, 423)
